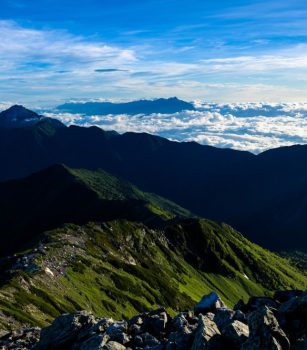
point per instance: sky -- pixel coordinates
(218, 51)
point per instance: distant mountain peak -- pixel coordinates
(161, 105)
(19, 116)
(18, 112)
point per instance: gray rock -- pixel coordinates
(25, 338)
(223, 317)
(96, 342)
(236, 334)
(255, 303)
(155, 322)
(207, 335)
(210, 302)
(116, 328)
(239, 316)
(64, 330)
(295, 307)
(292, 316)
(265, 332)
(149, 340)
(113, 345)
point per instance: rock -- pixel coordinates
(64, 330)
(149, 340)
(235, 334)
(113, 345)
(96, 342)
(210, 302)
(292, 315)
(25, 338)
(181, 340)
(117, 332)
(240, 305)
(284, 295)
(265, 332)
(255, 303)
(239, 316)
(295, 307)
(156, 322)
(207, 335)
(102, 324)
(138, 320)
(223, 317)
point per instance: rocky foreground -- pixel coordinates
(263, 323)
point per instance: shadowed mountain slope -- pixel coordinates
(61, 195)
(263, 196)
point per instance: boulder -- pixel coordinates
(223, 317)
(292, 315)
(156, 322)
(235, 334)
(207, 335)
(96, 342)
(255, 303)
(210, 302)
(239, 316)
(181, 340)
(25, 338)
(113, 345)
(64, 330)
(149, 340)
(265, 332)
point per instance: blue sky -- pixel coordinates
(225, 51)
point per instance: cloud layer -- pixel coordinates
(252, 127)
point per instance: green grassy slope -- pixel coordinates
(119, 268)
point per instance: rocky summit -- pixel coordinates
(267, 323)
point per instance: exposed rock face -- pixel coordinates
(215, 328)
(265, 332)
(207, 334)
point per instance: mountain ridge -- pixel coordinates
(18, 116)
(161, 105)
(59, 195)
(247, 191)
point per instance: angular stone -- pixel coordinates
(113, 345)
(207, 335)
(223, 317)
(236, 334)
(96, 342)
(208, 303)
(64, 330)
(265, 332)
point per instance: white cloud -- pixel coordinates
(253, 127)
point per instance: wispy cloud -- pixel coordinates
(55, 64)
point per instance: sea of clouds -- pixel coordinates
(254, 127)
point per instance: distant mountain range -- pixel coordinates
(263, 196)
(161, 105)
